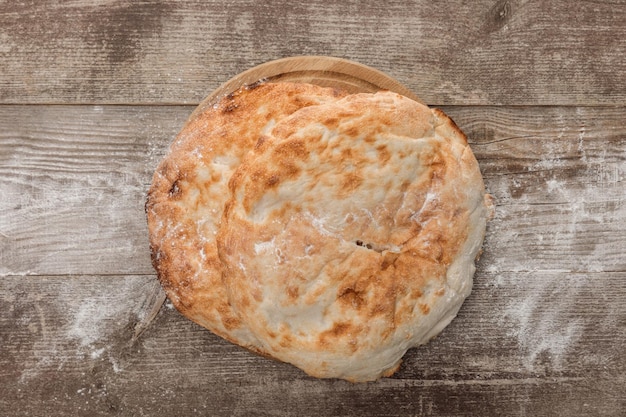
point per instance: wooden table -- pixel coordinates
(91, 94)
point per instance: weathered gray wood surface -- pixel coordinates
(511, 351)
(453, 52)
(538, 86)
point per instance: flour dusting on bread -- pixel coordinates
(335, 231)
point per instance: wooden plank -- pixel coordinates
(558, 177)
(455, 53)
(541, 344)
(73, 183)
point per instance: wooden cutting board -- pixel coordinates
(320, 70)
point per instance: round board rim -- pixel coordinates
(325, 71)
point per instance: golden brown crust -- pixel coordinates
(352, 232)
(189, 190)
(327, 230)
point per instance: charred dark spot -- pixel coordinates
(365, 245)
(148, 205)
(155, 256)
(229, 108)
(174, 189)
(256, 84)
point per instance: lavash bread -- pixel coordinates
(347, 235)
(352, 232)
(190, 188)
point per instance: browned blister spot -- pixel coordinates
(331, 122)
(290, 169)
(383, 154)
(288, 207)
(260, 142)
(424, 308)
(388, 260)
(350, 182)
(216, 176)
(295, 148)
(352, 131)
(352, 297)
(272, 181)
(293, 293)
(379, 309)
(286, 340)
(259, 175)
(245, 302)
(230, 322)
(340, 330)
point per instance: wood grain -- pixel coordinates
(74, 181)
(539, 88)
(324, 71)
(515, 52)
(541, 334)
(68, 346)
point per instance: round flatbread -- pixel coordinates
(351, 234)
(190, 188)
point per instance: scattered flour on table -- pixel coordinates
(95, 326)
(541, 319)
(102, 320)
(548, 292)
(539, 312)
(97, 317)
